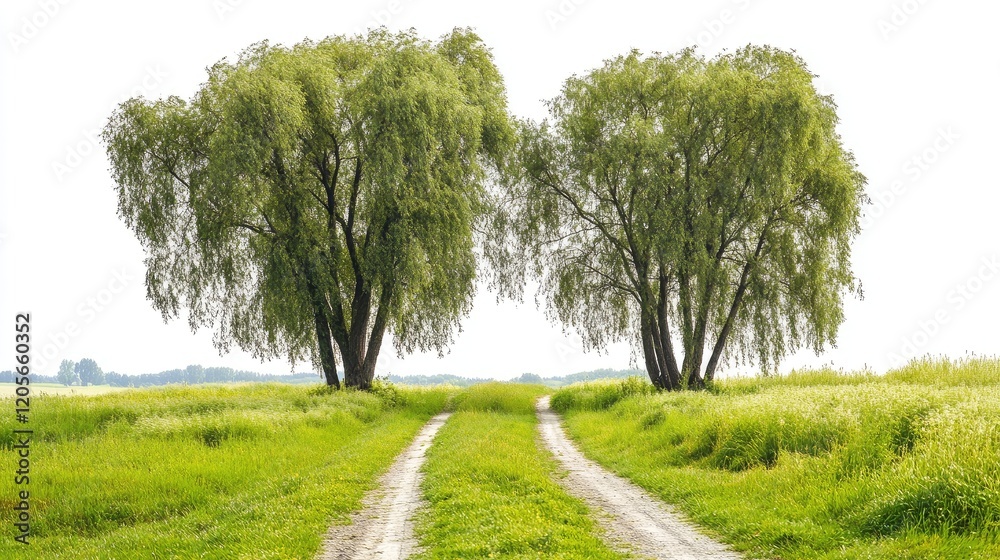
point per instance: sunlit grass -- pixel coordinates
(9, 389)
(252, 471)
(491, 488)
(816, 465)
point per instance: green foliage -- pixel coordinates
(530, 378)
(88, 370)
(67, 372)
(491, 489)
(253, 471)
(815, 464)
(391, 395)
(673, 197)
(324, 191)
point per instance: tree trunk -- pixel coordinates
(359, 359)
(734, 309)
(697, 347)
(323, 328)
(366, 376)
(666, 344)
(356, 377)
(649, 351)
(667, 381)
(378, 332)
(354, 353)
(326, 351)
(352, 368)
(358, 374)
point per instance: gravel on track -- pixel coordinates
(383, 529)
(634, 521)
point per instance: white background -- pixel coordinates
(912, 80)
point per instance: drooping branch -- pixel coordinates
(674, 188)
(736, 305)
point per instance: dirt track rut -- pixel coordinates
(634, 521)
(383, 529)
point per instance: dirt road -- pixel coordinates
(383, 530)
(634, 521)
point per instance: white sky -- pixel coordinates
(912, 80)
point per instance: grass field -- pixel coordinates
(492, 491)
(253, 471)
(815, 465)
(812, 465)
(7, 389)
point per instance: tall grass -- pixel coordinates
(252, 471)
(491, 489)
(816, 464)
(506, 398)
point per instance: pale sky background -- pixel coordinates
(912, 80)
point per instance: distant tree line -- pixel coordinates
(87, 372)
(556, 381)
(440, 379)
(560, 381)
(71, 373)
(7, 376)
(195, 374)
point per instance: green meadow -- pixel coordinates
(252, 471)
(493, 491)
(9, 389)
(815, 464)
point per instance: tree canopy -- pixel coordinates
(682, 202)
(90, 373)
(67, 372)
(306, 200)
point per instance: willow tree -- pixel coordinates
(307, 200)
(702, 208)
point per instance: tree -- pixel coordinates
(116, 379)
(67, 372)
(194, 374)
(309, 199)
(90, 373)
(529, 378)
(706, 205)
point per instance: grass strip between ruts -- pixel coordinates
(491, 488)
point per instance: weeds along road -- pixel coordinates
(383, 530)
(635, 521)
